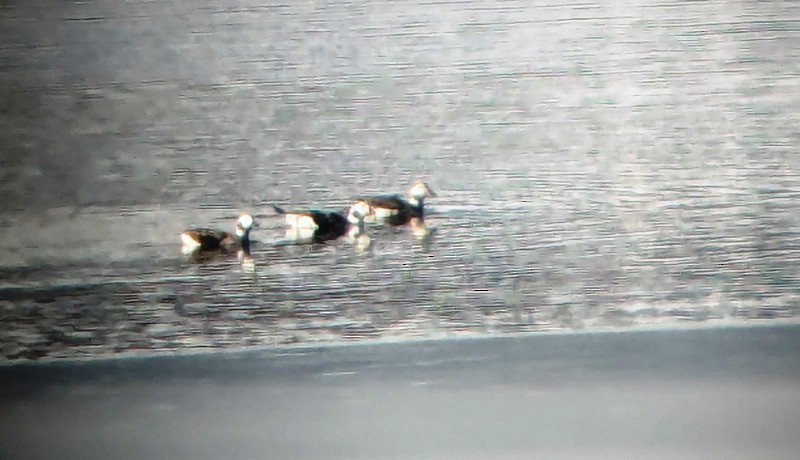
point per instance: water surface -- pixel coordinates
(598, 164)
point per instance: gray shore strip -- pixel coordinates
(699, 393)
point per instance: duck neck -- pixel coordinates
(417, 204)
(244, 242)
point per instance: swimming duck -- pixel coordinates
(205, 240)
(393, 209)
(316, 226)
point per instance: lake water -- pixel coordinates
(598, 164)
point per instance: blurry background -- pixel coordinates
(598, 164)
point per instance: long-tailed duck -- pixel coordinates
(317, 226)
(393, 209)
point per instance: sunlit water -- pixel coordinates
(597, 164)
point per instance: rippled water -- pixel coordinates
(597, 164)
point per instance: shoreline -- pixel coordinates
(399, 340)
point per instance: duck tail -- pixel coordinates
(278, 209)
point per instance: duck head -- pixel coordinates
(357, 212)
(421, 190)
(243, 225)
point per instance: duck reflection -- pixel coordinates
(246, 260)
(421, 232)
(360, 240)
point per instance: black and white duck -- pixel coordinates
(198, 241)
(318, 226)
(394, 209)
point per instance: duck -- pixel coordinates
(208, 241)
(394, 209)
(319, 226)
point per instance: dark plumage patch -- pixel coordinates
(331, 225)
(211, 240)
(392, 209)
(388, 201)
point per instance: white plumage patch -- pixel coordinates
(299, 235)
(189, 243)
(357, 212)
(246, 220)
(418, 190)
(383, 213)
(301, 222)
(360, 208)
(243, 225)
